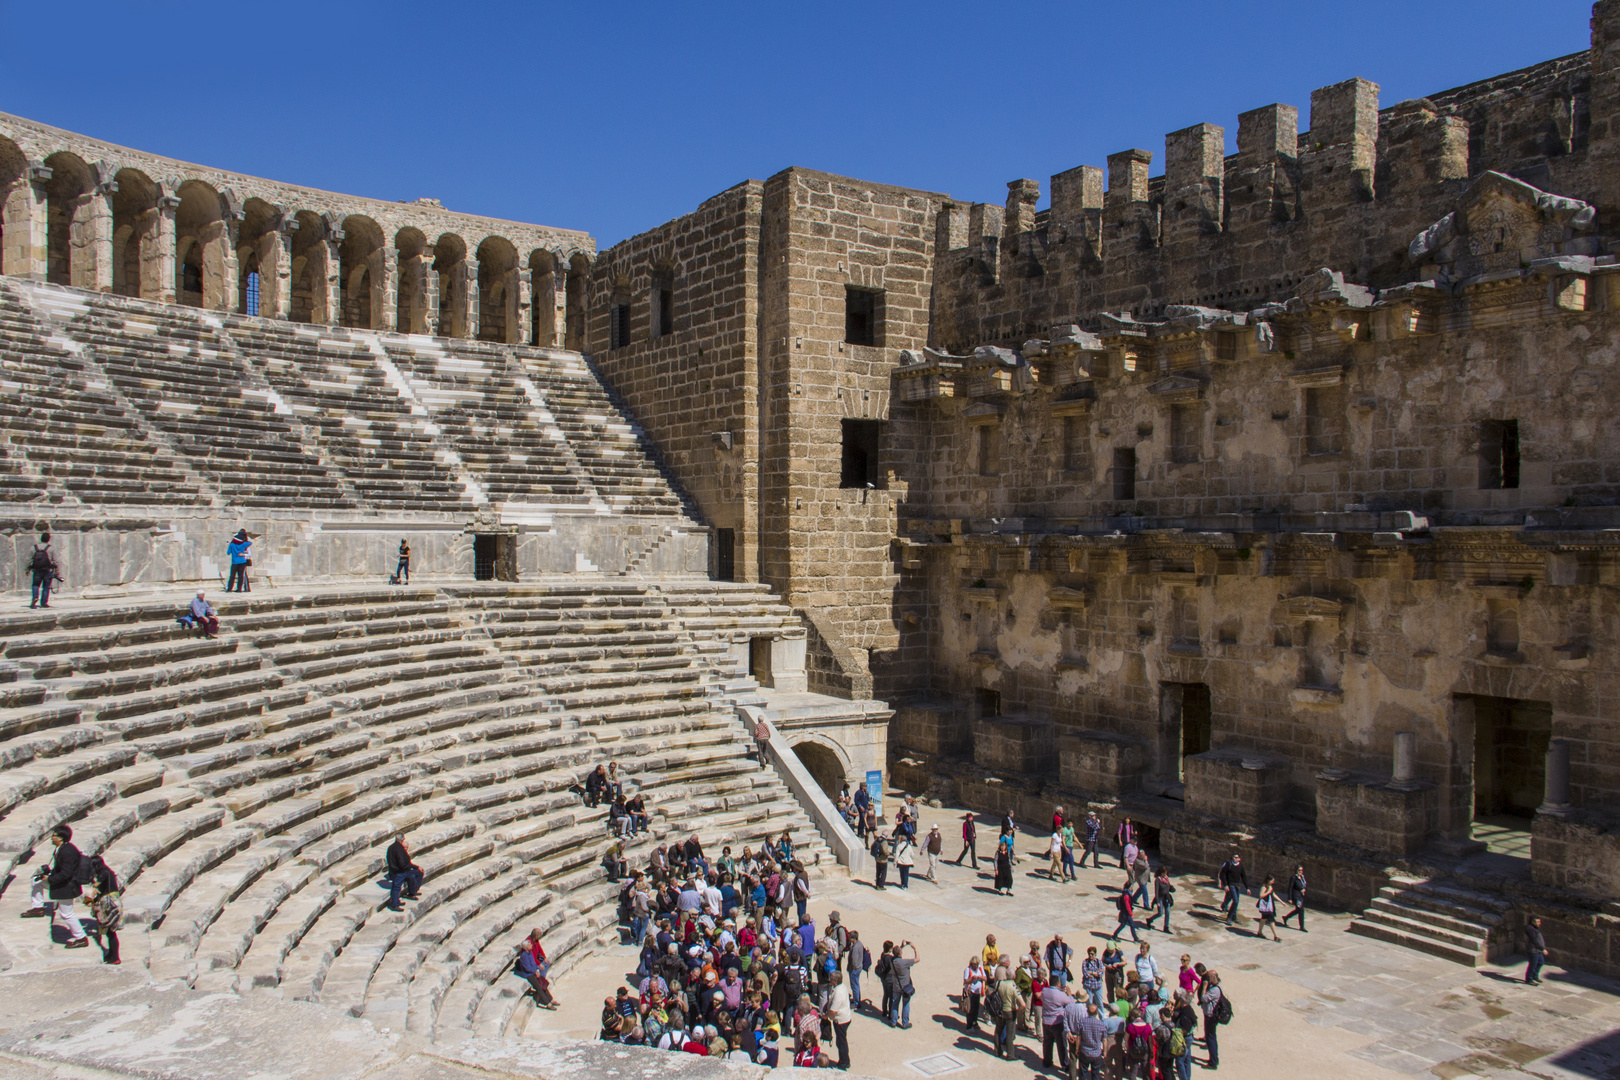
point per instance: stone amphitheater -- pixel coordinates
(1272, 501)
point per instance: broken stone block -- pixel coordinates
(1021, 744)
(1379, 815)
(936, 728)
(1101, 761)
(1248, 788)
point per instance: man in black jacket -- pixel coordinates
(402, 873)
(1235, 881)
(62, 881)
(1536, 945)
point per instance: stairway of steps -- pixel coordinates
(122, 402)
(245, 788)
(1438, 918)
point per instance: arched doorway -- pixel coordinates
(823, 765)
(137, 263)
(70, 182)
(497, 291)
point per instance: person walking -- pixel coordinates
(1126, 836)
(1211, 1001)
(239, 549)
(1234, 882)
(1535, 943)
(42, 566)
(935, 844)
(900, 967)
(1069, 843)
(905, 855)
(1054, 853)
(1004, 1012)
(1266, 906)
(973, 984)
(1141, 878)
(970, 836)
(1004, 879)
(107, 907)
(1093, 840)
(1054, 999)
(841, 1012)
(881, 848)
(60, 883)
(1296, 897)
(1164, 893)
(1127, 915)
(402, 572)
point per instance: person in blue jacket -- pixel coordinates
(238, 550)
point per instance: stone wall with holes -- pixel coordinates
(689, 374)
(825, 546)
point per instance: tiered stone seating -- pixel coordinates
(246, 788)
(500, 431)
(180, 373)
(65, 433)
(335, 385)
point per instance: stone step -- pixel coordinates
(1418, 941)
(1419, 922)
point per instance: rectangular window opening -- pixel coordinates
(666, 312)
(725, 555)
(863, 310)
(1499, 454)
(1074, 444)
(1124, 473)
(862, 441)
(1185, 433)
(618, 326)
(1324, 419)
(250, 295)
(988, 702)
(988, 449)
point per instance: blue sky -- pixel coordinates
(615, 117)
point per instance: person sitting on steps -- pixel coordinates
(201, 616)
(402, 874)
(533, 967)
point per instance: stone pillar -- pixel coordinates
(430, 296)
(551, 295)
(520, 322)
(1194, 168)
(26, 220)
(221, 283)
(275, 269)
(1405, 771)
(158, 268)
(381, 269)
(325, 310)
(467, 272)
(1127, 182)
(90, 239)
(1556, 797)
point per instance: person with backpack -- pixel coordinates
(42, 567)
(1183, 1021)
(1217, 1011)
(1127, 915)
(1141, 1047)
(881, 846)
(402, 572)
(106, 905)
(1164, 894)
(1001, 1005)
(885, 978)
(238, 549)
(62, 882)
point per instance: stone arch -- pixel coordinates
(66, 194)
(137, 234)
(579, 273)
(361, 273)
(450, 264)
(260, 259)
(16, 210)
(205, 259)
(543, 303)
(308, 269)
(825, 760)
(413, 281)
(497, 289)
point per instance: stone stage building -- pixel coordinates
(1273, 500)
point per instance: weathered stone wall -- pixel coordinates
(694, 389)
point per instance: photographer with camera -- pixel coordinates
(62, 881)
(898, 976)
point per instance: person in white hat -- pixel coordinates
(934, 845)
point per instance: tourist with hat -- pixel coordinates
(239, 550)
(934, 845)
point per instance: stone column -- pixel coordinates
(430, 296)
(219, 266)
(90, 239)
(26, 220)
(381, 269)
(520, 322)
(1404, 773)
(157, 251)
(275, 269)
(324, 280)
(467, 273)
(1556, 797)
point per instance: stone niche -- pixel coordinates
(1578, 850)
(936, 728)
(1388, 817)
(1229, 784)
(1015, 744)
(1100, 761)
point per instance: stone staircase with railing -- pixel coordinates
(1439, 918)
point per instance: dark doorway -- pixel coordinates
(484, 557)
(1186, 726)
(759, 660)
(1510, 756)
(725, 555)
(987, 702)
